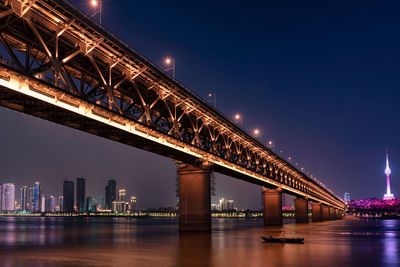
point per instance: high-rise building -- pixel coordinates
(111, 194)
(214, 207)
(223, 205)
(80, 194)
(61, 203)
(36, 197)
(7, 197)
(121, 195)
(120, 206)
(51, 204)
(31, 198)
(43, 203)
(388, 195)
(231, 205)
(68, 193)
(132, 204)
(24, 198)
(347, 197)
(89, 203)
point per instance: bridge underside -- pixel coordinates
(41, 109)
(37, 108)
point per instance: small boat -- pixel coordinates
(282, 240)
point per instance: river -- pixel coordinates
(233, 242)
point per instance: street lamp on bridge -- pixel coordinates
(239, 119)
(257, 133)
(212, 99)
(97, 4)
(271, 145)
(170, 62)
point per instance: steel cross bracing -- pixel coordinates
(64, 67)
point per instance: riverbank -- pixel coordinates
(139, 214)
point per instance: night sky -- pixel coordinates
(319, 78)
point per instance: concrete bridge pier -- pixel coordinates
(316, 212)
(301, 210)
(272, 206)
(325, 212)
(194, 198)
(337, 217)
(331, 213)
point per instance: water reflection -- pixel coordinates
(150, 242)
(194, 250)
(390, 242)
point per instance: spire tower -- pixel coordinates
(388, 195)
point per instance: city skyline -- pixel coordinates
(73, 198)
(37, 189)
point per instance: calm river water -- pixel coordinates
(156, 242)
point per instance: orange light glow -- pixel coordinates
(93, 2)
(256, 132)
(168, 61)
(237, 117)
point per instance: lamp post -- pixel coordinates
(170, 62)
(257, 133)
(212, 99)
(99, 4)
(271, 145)
(239, 119)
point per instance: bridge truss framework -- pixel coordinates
(58, 64)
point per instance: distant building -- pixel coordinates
(31, 194)
(120, 206)
(90, 204)
(61, 203)
(132, 204)
(121, 195)
(68, 193)
(388, 195)
(51, 204)
(80, 194)
(7, 197)
(36, 197)
(111, 194)
(24, 198)
(231, 205)
(347, 198)
(223, 205)
(43, 204)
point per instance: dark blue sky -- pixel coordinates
(321, 79)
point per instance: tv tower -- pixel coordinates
(388, 195)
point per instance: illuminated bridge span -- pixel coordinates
(60, 65)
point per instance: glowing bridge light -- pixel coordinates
(93, 3)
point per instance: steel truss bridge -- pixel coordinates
(60, 65)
